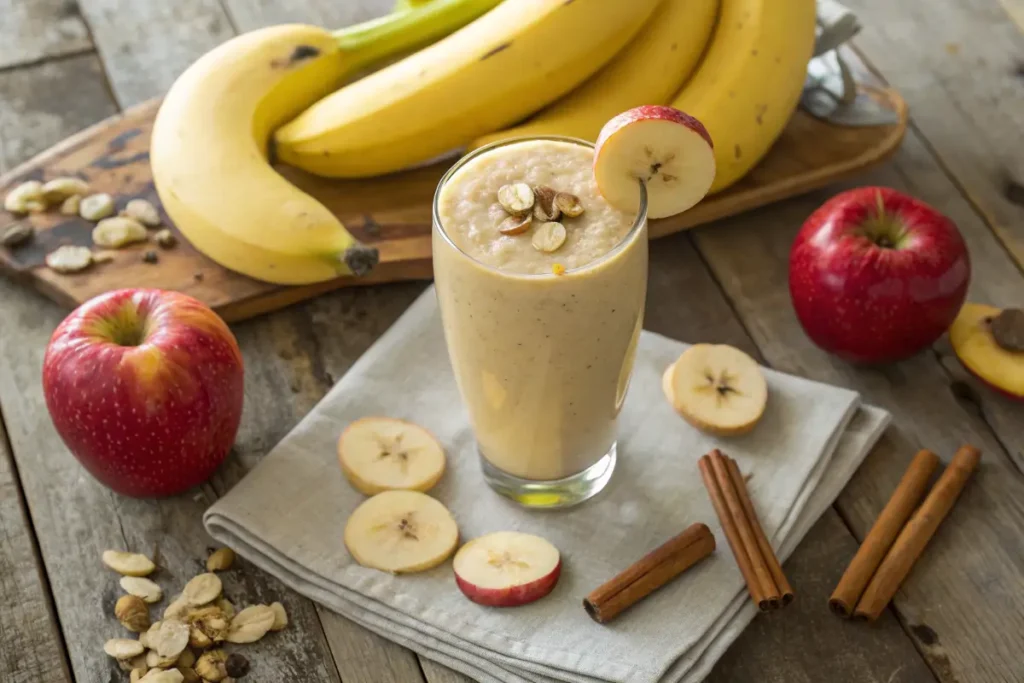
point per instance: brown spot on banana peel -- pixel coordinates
(737, 151)
(496, 50)
(300, 54)
(361, 259)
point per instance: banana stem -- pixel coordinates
(372, 41)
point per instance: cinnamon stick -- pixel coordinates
(915, 535)
(781, 582)
(650, 573)
(738, 531)
(897, 511)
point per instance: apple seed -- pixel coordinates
(1008, 329)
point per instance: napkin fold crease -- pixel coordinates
(287, 516)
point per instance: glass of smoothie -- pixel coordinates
(541, 284)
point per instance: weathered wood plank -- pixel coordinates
(251, 14)
(144, 46)
(45, 103)
(39, 29)
(30, 646)
(965, 87)
(963, 603)
(76, 518)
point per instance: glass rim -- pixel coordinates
(638, 223)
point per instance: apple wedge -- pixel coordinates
(507, 569)
(668, 151)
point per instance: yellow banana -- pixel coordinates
(514, 60)
(749, 82)
(209, 145)
(650, 70)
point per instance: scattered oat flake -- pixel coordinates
(142, 587)
(280, 616)
(220, 560)
(69, 259)
(251, 624)
(202, 589)
(170, 639)
(123, 648)
(127, 564)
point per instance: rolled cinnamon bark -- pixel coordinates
(650, 573)
(778, 576)
(915, 535)
(886, 528)
(738, 531)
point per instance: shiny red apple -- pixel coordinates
(145, 388)
(876, 276)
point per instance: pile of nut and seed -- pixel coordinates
(545, 205)
(71, 197)
(185, 646)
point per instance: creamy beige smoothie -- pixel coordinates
(541, 341)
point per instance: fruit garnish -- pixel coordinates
(668, 151)
(507, 568)
(381, 453)
(401, 532)
(992, 360)
(516, 199)
(549, 237)
(717, 388)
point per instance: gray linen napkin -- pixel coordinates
(287, 517)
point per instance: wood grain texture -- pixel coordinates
(804, 642)
(963, 602)
(34, 30)
(42, 104)
(75, 517)
(30, 646)
(391, 213)
(145, 45)
(965, 87)
(252, 14)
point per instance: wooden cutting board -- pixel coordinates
(392, 212)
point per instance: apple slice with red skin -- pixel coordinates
(507, 569)
(667, 150)
(876, 275)
(145, 387)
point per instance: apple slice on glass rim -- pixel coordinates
(507, 568)
(668, 151)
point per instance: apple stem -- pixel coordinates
(378, 39)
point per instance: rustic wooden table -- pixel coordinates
(960, 616)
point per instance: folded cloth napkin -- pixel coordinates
(288, 514)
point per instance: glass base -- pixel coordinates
(557, 493)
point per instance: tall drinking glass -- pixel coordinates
(542, 343)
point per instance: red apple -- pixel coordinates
(667, 150)
(145, 388)
(507, 569)
(876, 276)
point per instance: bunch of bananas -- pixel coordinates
(737, 65)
